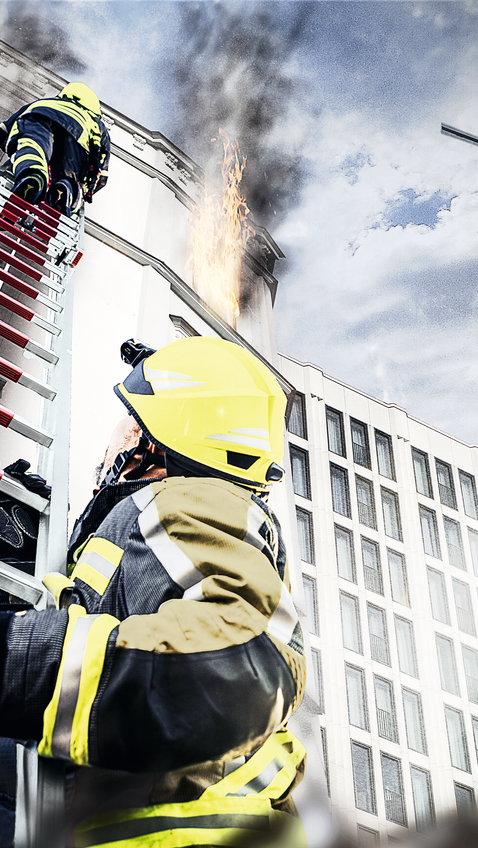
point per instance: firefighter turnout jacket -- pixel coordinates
(172, 671)
(87, 129)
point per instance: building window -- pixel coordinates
(335, 431)
(297, 421)
(310, 592)
(351, 629)
(454, 543)
(378, 634)
(474, 723)
(363, 778)
(366, 502)
(393, 790)
(422, 473)
(468, 491)
(431, 542)
(464, 609)
(455, 726)
(412, 706)
(318, 678)
(356, 696)
(470, 661)
(422, 799)
(391, 515)
(407, 655)
(366, 838)
(325, 752)
(360, 447)
(299, 460)
(340, 490)
(398, 577)
(344, 549)
(306, 535)
(372, 570)
(438, 599)
(447, 664)
(446, 488)
(473, 539)
(383, 444)
(465, 800)
(385, 705)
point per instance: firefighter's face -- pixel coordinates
(125, 436)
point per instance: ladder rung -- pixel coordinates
(16, 375)
(12, 487)
(28, 314)
(30, 291)
(21, 340)
(21, 585)
(25, 428)
(29, 239)
(18, 207)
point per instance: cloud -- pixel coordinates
(26, 28)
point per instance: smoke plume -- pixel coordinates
(29, 29)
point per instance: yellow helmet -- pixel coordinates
(83, 95)
(213, 407)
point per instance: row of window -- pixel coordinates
(371, 564)
(446, 485)
(393, 790)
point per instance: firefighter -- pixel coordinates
(66, 134)
(175, 657)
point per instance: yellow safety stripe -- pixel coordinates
(66, 719)
(56, 583)
(98, 562)
(87, 122)
(40, 162)
(268, 773)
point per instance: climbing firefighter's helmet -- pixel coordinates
(83, 95)
(213, 407)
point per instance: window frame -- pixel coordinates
(373, 795)
(387, 661)
(466, 753)
(398, 519)
(330, 412)
(311, 610)
(421, 721)
(454, 558)
(406, 603)
(356, 445)
(299, 400)
(417, 453)
(349, 533)
(363, 693)
(361, 505)
(356, 606)
(440, 464)
(295, 449)
(300, 511)
(345, 478)
(388, 440)
(413, 649)
(435, 538)
(377, 580)
(386, 756)
(393, 712)
(440, 638)
(471, 478)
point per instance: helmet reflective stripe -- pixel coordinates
(162, 381)
(261, 441)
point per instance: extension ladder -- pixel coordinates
(39, 249)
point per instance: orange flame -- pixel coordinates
(220, 236)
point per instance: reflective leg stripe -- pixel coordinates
(30, 142)
(284, 619)
(66, 719)
(268, 773)
(97, 563)
(217, 821)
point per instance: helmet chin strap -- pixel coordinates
(147, 458)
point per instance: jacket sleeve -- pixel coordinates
(6, 126)
(211, 674)
(103, 158)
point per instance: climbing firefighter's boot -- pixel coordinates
(30, 187)
(60, 196)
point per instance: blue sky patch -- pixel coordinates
(411, 208)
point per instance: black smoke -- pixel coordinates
(235, 70)
(31, 29)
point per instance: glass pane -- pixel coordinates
(325, 751)
(473, 538)
(361, 452)
(297, 424)
(387, 727)
(398, 578)
(345, 554)
(456, 739)
(464, 609)
(384, 455)
(454, 543)
(306, 536)
(436, 585)
(371, 566)
(340, 499)
(422, 799)
(311, 604)
(358, 714)
(414, 721)
(300, 471)
(335, 432)
(447, 665)
(366, 505)
(406, 646)
(363, 778)
(467, 483)
(470, 661)
(378, 635)
(318, 682)
(445, 484)
(391, 515)
(474, 722)
(392, 788)
(350, 623)
(422, 474)
(465, 800)
(429, 532)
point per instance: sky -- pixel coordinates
(338, 107)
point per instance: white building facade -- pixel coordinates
(387, 516)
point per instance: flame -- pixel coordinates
(220, 235)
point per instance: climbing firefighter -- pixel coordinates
(66, 134)
(175, 657)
